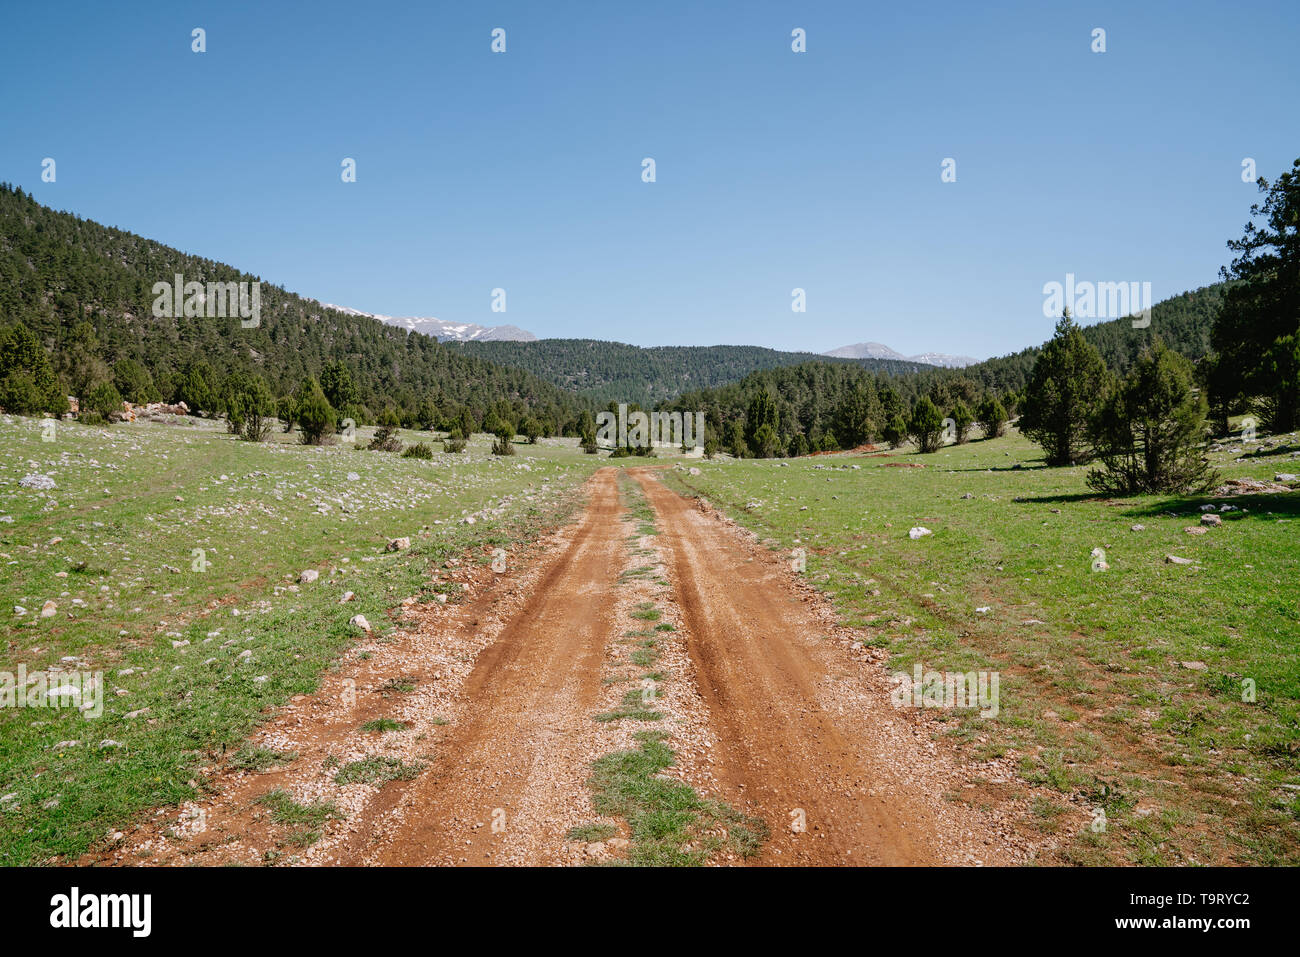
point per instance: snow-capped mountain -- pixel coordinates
(875, 350)
(443, 329)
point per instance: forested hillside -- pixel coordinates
(813, 402)
(84, 290)
(617, 372)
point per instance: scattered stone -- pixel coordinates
(1194, 530)
(1285, 477)
(310, 575)
(38, 481)
(359, 621)
(1195, 665)
(398, 544)
(136, 714)
(1211, 520)
(919, 532)
(49, 609)
(347, 597)
(1137, 528)
(1175, 560)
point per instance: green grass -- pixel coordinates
(285, 810)
(132, 505)
(1093, 686)
(632, 707)
(377, 770)
(381, 725)
(592, 832)
(671, 825)
(249, 758)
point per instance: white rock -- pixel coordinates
(359, 621)
(310, 575)
(48, 609)
(919, 532)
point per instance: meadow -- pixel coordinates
(173, 556)
(1159, 698)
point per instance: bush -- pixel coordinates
(926, 425)
(20, 395)
(385, 438)
(964, 419)
(104, 399)
(504, 444)
(418, 451)
(895, 432)
(1149, 430)
(622, 452)
(992, 417)
(315, 416)
(455, 442)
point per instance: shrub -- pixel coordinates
(964, 419)
(385, 438)
(418, 451)
(20, 395)
(103, 399)
(926, 425)
(455, 441)
(504, 444)
(315, 416)
(992, 417)
(1149, 430)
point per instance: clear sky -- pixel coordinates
(775, 169)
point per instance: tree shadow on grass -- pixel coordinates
(1266, 505)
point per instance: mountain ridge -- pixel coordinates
(877, 350)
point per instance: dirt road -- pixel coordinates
(775, 709)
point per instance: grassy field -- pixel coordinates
(173, 554)
(1128, 689)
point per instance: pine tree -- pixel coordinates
(926, 425)
(964, 418)
(314, 414)
(992, 417)
(1256, 335)
(1150, 428)
(762, 411)
(1067, 382)
(858, 414)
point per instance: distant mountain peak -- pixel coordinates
(875, 350)
(443, 329)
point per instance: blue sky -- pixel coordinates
(774, 170)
